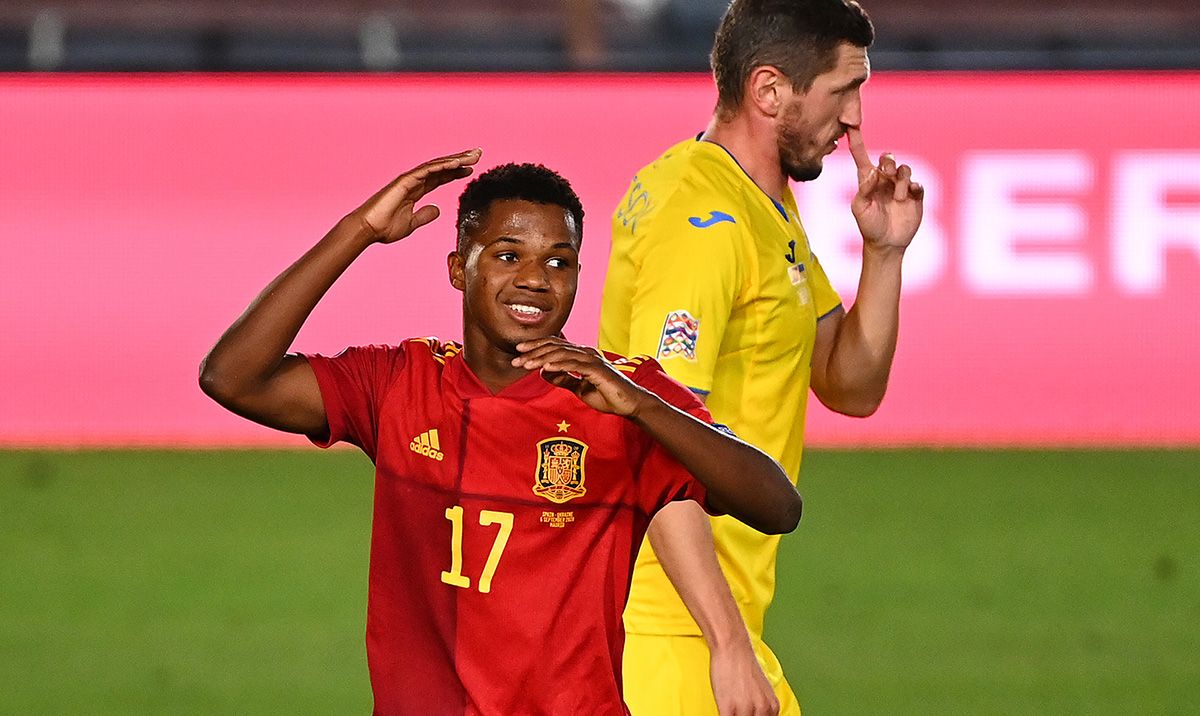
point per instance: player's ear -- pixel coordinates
(764, 89)
(456, 266)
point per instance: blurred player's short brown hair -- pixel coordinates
(798, 37)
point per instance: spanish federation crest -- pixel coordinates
(560, 469)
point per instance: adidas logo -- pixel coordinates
(427, 444)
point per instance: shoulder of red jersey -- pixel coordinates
(646, 372)
(433, 348)
(629, 364)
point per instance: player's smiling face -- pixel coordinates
(518, 276)
(810, 123)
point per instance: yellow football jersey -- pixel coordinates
(716, 280)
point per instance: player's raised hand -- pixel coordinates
(889, 204)
(391, 214)
(584, 372)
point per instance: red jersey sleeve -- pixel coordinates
(354, 384)
(661, 478)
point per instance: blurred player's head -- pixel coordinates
(520, 227)
(799, 62)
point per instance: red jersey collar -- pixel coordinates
(468, 385)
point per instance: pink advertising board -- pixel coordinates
(1051, 296)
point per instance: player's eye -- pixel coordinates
(507, 256)
(558, 262)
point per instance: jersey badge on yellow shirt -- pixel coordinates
(799, 279)
(560, 469)
(680, 332)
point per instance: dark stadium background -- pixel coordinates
(1014, 533)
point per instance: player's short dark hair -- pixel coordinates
(527, 182)
(799, 37)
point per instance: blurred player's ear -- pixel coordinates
(764, 89)
(456, 265)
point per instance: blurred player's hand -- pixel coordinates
(739, 685)
(390, 215)
(889, 204)
(584, 372)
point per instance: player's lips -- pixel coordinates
(526, 313)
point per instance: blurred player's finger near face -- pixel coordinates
(858, 150)
(903, 183)
(887, 164)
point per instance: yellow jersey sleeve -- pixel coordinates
(687, 285)
(825, 298)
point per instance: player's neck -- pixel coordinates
(492, 366)
(754, 148)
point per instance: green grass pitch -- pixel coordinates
(919, 582)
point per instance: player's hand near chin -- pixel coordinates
(583, 371)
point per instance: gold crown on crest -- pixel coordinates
(562, 450)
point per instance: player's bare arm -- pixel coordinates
(249, 371)
(682, 539)
(681, 535)
(741, 480)
(852, 356)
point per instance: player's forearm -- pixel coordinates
(741, 480)
(860, 361)
(253, 348)
(683, 542)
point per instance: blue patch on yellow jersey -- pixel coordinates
(714, 217)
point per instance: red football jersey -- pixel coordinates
(505, 529)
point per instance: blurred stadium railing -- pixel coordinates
(550, 35)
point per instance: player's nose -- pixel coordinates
(532, 275)
(851, 114)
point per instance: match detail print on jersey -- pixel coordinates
(680, 333)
